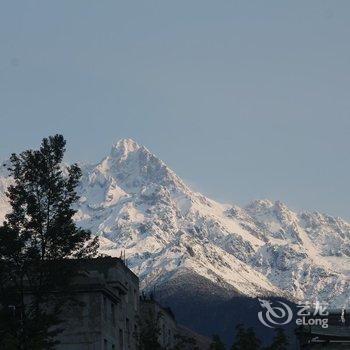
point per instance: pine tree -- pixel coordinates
(280, 340)
(217, 344)
(184, 342)
(36, 241)
(150, 332)
(245, 339)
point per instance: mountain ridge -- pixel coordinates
(137, 204)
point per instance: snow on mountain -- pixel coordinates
(137, 204)
(5, 181)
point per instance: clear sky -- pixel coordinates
(243, 99)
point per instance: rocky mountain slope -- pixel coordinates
(137, 204)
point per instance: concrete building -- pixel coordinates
(107, 317)
(152, 313)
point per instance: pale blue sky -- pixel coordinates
(243, 99)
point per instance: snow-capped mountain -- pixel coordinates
(137, 204)
(5, 181)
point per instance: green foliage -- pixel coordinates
(36, 239)
(245, 339)
(217, 344)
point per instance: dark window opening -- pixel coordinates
(113, 313)
(121, 340)
(105, 308)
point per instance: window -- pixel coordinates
(112, 313)
(105, 308)
(121, 340)
(135, 300)
(128, 330)
(164, 334)
(120, 311)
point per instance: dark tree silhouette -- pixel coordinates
(36, 239)
(150, 332)
(186, 343)
(245, 339)
(280, 340)
(217, 344)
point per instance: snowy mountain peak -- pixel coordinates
(123, 147)
(138, 204)
(259, 205)
(134, 167)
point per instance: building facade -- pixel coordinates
(162, 319)
(106, 317)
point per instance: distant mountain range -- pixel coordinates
(137, 204)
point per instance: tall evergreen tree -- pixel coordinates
(186, 343)
(150, 332)
(36, 239)
(245, 339)
(217, 344)
(280, 340)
